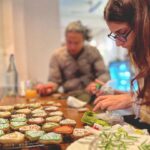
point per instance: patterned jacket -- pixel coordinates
(76, 73)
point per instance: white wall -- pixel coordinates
(32, 31)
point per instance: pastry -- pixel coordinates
(68, 122)
(12, 138)
(57, 104)
(6, 108)
(51, 108)
(23, 111)
(17, 125)
(18, 116)
(3, 121)
(54, 119)
(5, 114)
(4, 127)
(19, 119)
(36, 120)
(80, 132)
(64, 130)
(49, 126)
(33, 127)
(50, 138)
(56, 113)
(1, 133)
(50, 103)
(34, 105)
(38, 111)
(21, 106)
(40, 114)
(34, 135)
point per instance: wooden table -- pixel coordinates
(68, 112)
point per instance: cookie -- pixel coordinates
(34, 135)
(18, 119)
(3, 121)
(80, 132)
(56, 113)
(33, 127)
(5, 114)
(18, 116)
(57, 104)
(40, 114)
(21, 106)
(17, 125)
(51, 108)
(36, 120)
(12, 138)
(54, 119)
(1, 133)
(49, 126)
(69, 122)
(64, 130)
(38, 111)
(4, 127)
(51, 138)
(34, 105)
(6, 108)
(23, 111)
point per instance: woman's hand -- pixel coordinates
(46, 89)
(113, 102)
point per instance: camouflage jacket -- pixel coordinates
(76, 73)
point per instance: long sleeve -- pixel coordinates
(55, 71)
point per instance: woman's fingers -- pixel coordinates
(100, 98)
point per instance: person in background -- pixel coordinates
(76, 65)
(129, 23)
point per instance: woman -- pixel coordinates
(129, 23)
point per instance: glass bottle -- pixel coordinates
(12, 77)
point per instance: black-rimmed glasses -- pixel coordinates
(120, 37)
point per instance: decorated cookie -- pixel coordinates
(23, 111)
(18, 116)
(33, 127)
(12, 138)
(51, 138)
(38, 120)
(5, 114)
(4, 127)
(54, 119)
(34, 105)
(49, 126)
(51, 108)
(6, 108)
(40, 114)
(63, 130)
(17, 125)
(18, 119)
(1, 133)
(21, 106)
(34, 135)
(56, 113)
(3, 121)
(68, 122)
(80, 132)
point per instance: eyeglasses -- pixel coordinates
(120, 37)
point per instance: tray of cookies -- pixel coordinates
(35, 125)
